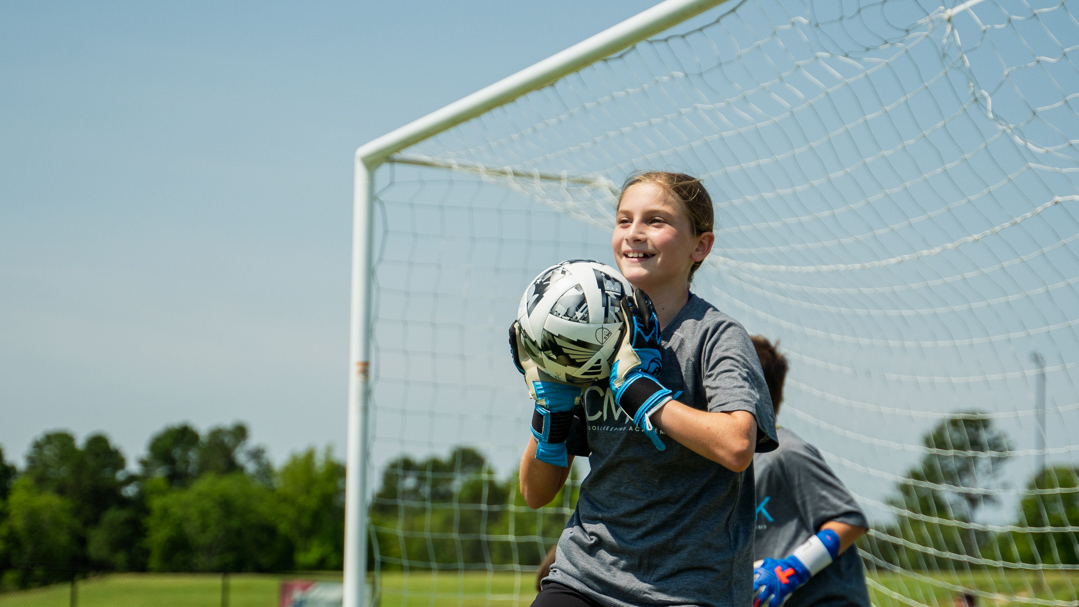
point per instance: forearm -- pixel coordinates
(540, 481)
(725, 438)
(848, 534)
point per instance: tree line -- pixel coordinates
(197, 502)
(212, 502)
(936, 506)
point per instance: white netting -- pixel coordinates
(897, 203)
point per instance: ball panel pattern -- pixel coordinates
(571, 320)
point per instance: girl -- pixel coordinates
(665, 516)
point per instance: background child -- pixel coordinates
(806, 519)
(665, 515)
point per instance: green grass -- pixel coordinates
(482, 589)
(938, 589)
(458, 589)
(158, 590)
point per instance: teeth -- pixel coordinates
(636, 255)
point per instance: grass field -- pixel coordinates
(480, 589)
(158, 590)
(938, 589)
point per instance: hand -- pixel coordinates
(774, 581)
(555, 401)
(638, 363)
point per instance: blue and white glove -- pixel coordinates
(775, 579)
(638, 363)
(555, 401)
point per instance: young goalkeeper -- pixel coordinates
(806, 519)
(665, 515)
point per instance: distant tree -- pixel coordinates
(105, 477)
(179, 454)
(220, 450)
(438, 511)
(219, 523)
(311, 491)
(967, 456)
(173, 454)
(54, 463)
(7, 477)
(116, 542)
(938, 498)
(1048, 516)
(41, 536)
(225, 450)
(93, 477)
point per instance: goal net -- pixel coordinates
(896, 188)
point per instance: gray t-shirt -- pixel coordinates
(797, 493)
(670, 527)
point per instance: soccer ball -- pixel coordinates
(570, 320)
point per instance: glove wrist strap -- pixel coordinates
(557, 396)
(555, 454)
(639, 394)
(818, 551)
(551, 426)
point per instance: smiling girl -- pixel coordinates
(665, 515)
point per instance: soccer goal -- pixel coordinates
(897, 202)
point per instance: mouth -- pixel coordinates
(637, 255)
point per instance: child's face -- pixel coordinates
(653, 242)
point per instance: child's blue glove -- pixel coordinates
(775, 579)
(555, 401)
(638, 363)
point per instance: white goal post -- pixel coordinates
(897, 196)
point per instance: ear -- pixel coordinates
(704, 246)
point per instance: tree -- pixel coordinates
(312, 496)
(7, 477)
(116, 542)
(53, 463)
(939, 497)
(443, 511)
(1049, 514)
(173, 455)
(225, 450)
(966, 457)
(92, 478)
(219, 523)
(40, 535)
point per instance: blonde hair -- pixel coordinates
(687, 190)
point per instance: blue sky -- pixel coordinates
(175, 198)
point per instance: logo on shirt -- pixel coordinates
(762, 509)
(602, 412)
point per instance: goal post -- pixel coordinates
(896, 188)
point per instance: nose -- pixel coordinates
(635, 233)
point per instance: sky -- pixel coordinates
(175, 198)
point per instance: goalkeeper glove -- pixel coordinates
(775, 579)
(554, 400)
(637, 364)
